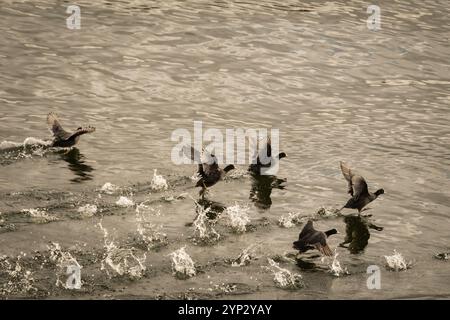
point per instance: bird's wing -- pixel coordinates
(324, 249)
(359, 186)
(81, 131)
(265, 151)
(356, 184)
(348, 174)
(307, 229)
(209, 163)
(253, 147)
(192, 153)
(56, 128)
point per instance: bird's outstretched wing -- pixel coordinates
(56, 128)
(206, 161)
(307, 229)
(81, 131)
(209, 163)
(192, 153)
(356, 184)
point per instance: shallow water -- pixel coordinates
(137, 70)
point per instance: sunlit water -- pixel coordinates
(137, 70)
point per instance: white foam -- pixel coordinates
(9, 144)
(19, 279)
(158, 182)
(88, 210)
(291, 220)
(39, 215)
(182, 264)
(203, 227)
(124, 202)
(109, 188)
(28, 142)
(397, 262)
(31, 141)
(120, 261)
(147, 231)
(246, 256)
(335, 267)
(283, 278)
(62, 260)
(238, 218)
(328, 212)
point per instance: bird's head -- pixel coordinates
(331, 232)
(379, 191)
(228, 168)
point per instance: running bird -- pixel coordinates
(62, 138)
(357, 188)
(310, 238)
(264, 153)
(208, 168)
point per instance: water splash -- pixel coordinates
(11, 151)
(109, 188)
(246, 256)
(124, 202)
(27, 143)
(183, 266)
(39, 215)
(158, 182)
(14, 277)
(335, 266)
(397, 262)
(5, 145)
(149, 234)
(87, 210)
(292, 219)
(62, 260)
(224, 287)
(238, 218)
(442, 256)
(283, 278)
(236, 174)
(328, 213)
(120, 261)
(204, 231)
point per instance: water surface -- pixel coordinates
(137, 70)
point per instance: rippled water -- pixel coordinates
(137, 70)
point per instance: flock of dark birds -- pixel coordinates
(210, 173)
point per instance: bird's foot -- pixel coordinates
(343, 244)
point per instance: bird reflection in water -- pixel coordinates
(357, 233)
(76, 164)
(261, 190)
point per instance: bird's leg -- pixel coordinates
(203, 191)
(343, 244)
(66, 151)
(365, 215)
(372, 226)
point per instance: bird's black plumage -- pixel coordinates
(310, 238)
(357, 188)
(264, 153)
(208, 169)
(62, 138)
